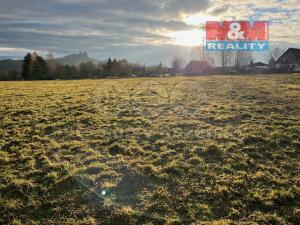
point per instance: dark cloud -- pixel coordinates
(186, 6)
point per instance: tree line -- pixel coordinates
(35, 67)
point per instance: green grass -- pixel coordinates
(203, 150)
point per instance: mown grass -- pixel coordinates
(203, 150)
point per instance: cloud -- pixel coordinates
(219, 9)
(124, 21)
(115, 27)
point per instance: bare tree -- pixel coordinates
(52, 65)
(276, 53)
(177, 65)
(227, 58)
(50, 56)
(199, 53)
(242, 59)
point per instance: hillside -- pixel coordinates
(9, 64)
(73, 59)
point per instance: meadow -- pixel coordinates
(181, 150)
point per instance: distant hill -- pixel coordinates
(8, 64)
(74, 59)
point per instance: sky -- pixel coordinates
(143, 31)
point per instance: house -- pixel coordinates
(196, 67)
(289, 60)
(260, 65)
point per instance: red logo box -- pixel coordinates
(237, 30)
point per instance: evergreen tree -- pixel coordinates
(38, 69)
(109, 66)
(44, 67)
(26, 66)
(115, 67)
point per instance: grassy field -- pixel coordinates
(203, 150)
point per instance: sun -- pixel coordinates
(193, 37)
(188, 38)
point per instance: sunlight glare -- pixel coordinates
(194, 37)
(188, 38)
(198, 19)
